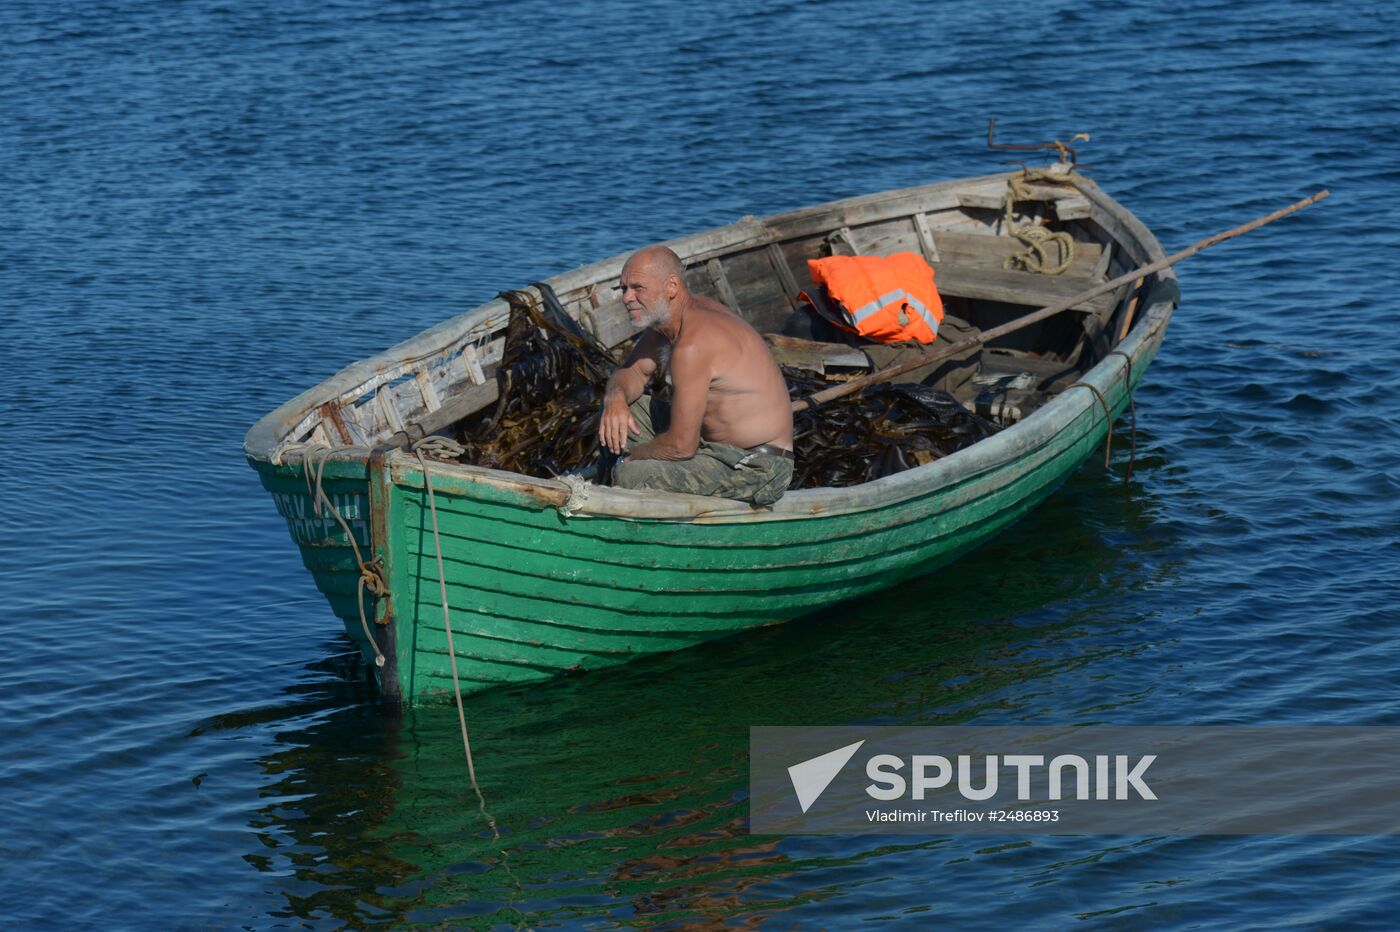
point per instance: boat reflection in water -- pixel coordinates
(624, 794)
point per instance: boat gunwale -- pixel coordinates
(982, 457)
(265, 438)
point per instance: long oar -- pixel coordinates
(986, 336)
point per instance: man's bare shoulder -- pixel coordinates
(727, 320)
(708, 330)
(695, 348)
(710, 304)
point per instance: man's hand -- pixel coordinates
(690, 389)
(626, 385)
(616, 424)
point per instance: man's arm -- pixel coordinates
(690, 390)
(625, 386)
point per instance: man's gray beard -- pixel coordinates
(657, 313)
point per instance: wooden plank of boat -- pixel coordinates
(1068, 203)
(986, 251)
(1011, 286)
(546, 577)
(813, 355)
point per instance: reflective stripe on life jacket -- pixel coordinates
(888, 299)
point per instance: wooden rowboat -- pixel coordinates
(546, 576)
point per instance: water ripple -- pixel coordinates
(212, 206)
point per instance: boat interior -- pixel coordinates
(985, 273)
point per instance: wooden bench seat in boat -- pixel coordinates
(1011, 286)
(971, 266)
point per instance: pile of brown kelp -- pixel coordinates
(888, 428)
(551, 381)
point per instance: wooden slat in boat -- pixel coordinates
(1010, 286)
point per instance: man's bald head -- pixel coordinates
(652, 279)
(657, 260)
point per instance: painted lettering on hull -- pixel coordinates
(307, 528)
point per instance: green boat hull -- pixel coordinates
(534, 594)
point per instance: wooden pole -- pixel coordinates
(937, 355)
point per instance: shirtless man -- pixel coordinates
(728, 430)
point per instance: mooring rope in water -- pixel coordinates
(1132, 408)
(446, 448)
(1107, 413)
(371, 572)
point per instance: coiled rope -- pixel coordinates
(1036, 258)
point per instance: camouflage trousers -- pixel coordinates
(715, 469)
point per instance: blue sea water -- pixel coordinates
(207, 207)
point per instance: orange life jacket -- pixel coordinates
(889, 299)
